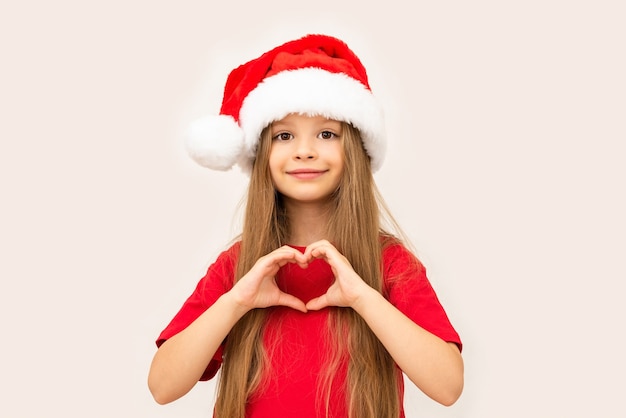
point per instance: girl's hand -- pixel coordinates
(258, 289)
(348, 285)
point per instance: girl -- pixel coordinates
(316, 310)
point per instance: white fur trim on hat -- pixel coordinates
(215, 142)
(312, 91)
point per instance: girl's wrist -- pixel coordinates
(235, 304)
(366, 298)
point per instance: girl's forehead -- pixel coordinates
(297, 119)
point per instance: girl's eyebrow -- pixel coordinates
(325, 124)
(280, 125)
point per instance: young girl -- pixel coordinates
(317, 309)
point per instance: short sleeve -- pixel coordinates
(409, 290)
(218, 280)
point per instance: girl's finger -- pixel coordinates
(318, 303)
(291, 301)
(320, 249)
(282, 256)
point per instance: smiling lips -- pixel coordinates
(306, 173)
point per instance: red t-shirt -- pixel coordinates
(299, 338)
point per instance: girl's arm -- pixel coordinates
(433, 365)
(181, 360)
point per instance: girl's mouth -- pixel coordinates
(306, 174)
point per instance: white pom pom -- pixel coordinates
(215, 142)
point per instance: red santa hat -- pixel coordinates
(316, 75)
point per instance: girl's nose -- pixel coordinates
(305, 150)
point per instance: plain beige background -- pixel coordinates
(506, 156)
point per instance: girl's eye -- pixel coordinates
(283, 136)
(327, 135)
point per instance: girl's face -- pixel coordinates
(306, 158)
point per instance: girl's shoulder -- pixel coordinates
(233, 248)
(398, 259)
(224, 264)
(230, 251)
(394, 247)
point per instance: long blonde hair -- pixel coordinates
(355, 229)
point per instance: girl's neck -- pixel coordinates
(307, 222)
